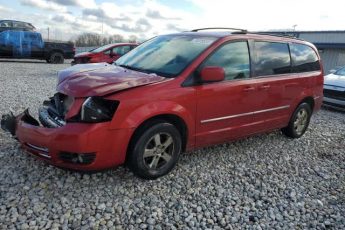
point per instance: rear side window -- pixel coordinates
(234, 58)
(121, 50)
(304, 58)
(272, 58)
(5, 24)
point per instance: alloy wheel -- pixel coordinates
(158, 151)
(301, 121)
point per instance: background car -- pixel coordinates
(334, 89)
(16, 25)
(29, 44)
(108, 53)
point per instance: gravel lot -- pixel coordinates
(266, 181)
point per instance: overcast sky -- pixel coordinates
(146, 18)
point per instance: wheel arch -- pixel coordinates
(173, 119)
(55, 51)
(310, 101)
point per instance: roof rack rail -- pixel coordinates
(221, 28)
(283, 35)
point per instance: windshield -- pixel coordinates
(340, 72)
(166, 55)
(101, 49)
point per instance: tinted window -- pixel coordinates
(272, 58)
(234, 58)
(121, 50)
(5, 24)
(304, 58)
(102, 48)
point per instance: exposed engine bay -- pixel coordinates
(54, 110)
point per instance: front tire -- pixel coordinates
(299, 121)
(155, 150)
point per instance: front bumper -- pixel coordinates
(334, 103)
(50, 144)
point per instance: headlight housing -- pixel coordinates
(97, 109)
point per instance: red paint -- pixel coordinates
(102, 56)
(101, 79)
(239, 100)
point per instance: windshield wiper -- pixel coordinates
(132, 68)
(144, 71)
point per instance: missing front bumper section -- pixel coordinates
(9, 121)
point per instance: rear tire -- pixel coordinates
(299, 121)
(154, 150)
(56, 58)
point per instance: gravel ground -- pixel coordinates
(266, 181)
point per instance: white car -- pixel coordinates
(334, 89)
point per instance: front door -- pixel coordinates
(225, 109)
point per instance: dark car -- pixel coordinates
(29, 44)
(108, 53)
(334, 89)
(16, 25)
(171, 94)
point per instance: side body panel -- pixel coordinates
(224, 111)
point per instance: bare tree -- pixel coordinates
(88, 39)
(92, 39)
(133, 39)
(116, 38)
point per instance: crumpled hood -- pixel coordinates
(334, 80)
(100, 79)
(83, 54)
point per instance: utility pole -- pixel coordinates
(102, 24)
(48, 34)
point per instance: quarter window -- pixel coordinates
(304, 58)
(272, 58)
(234, 58)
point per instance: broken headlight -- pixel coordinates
(97, 109)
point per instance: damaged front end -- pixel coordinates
(51, 115)
(70, 132)
(9, 121)
(53, 112)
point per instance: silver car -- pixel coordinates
(334, 89)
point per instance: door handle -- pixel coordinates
(265, 87)
(248, 89)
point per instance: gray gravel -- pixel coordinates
(266, 181)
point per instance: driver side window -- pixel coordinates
(234, 58)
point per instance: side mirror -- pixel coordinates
(212, 74)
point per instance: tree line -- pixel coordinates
(93, 39)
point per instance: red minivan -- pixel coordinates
(108, 53)
(172, 94)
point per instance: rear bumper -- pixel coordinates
(48, 144)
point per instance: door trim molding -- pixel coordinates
(244, 114)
